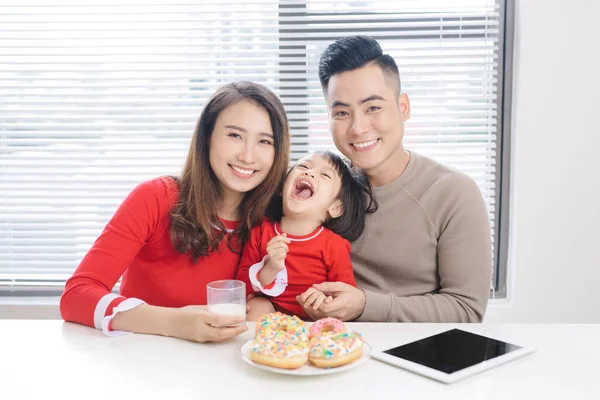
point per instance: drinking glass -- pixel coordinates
(226, 297)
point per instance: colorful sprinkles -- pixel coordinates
(280, 335)
(330, 346)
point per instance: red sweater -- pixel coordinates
(136, 245)
(321, 256)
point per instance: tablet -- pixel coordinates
(452, 355)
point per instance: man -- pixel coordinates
(425, 255)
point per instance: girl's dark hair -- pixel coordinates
(194, 216)
(355, 194)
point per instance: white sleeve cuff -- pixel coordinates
(126, 305)
(281, 280)
(101, 307)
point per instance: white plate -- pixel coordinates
(307, 369)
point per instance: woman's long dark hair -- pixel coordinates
(355, 194)
(194, 216)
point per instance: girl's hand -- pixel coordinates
(348, 302)
(277, 249)
(196, 324)
(313, 298)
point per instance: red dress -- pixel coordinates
(321, 256)
(136, 245)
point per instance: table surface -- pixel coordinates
(40, 358)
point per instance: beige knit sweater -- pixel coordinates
(425, 255)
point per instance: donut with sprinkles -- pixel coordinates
(330, 351)
(280, 341)
(326, 326)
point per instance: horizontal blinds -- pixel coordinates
(96, 96)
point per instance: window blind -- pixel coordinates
(97, 96)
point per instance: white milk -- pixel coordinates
(228, 309)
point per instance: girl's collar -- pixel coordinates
(295, 238)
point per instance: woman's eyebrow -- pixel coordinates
(270, 135)
(236, 127)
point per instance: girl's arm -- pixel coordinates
(254, 262)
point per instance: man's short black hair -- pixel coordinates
(352, 52)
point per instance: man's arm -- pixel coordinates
(465, 266)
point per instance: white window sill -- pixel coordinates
(47, 307)
(29, 307)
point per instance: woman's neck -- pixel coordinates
(229, 206)
(298, 226)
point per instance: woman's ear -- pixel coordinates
(336, 209)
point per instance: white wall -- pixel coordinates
(554, 272)
(555, 219)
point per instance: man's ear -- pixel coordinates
(404, 105)
(336, 209)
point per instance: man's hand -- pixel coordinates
(348, 302)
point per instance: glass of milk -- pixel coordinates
(226, 297)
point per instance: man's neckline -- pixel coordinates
(400, 180)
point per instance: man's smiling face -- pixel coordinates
(367, 118)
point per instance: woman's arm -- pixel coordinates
(188, 323)
(88, 296)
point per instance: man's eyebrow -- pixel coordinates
(338, 103)
(371, 98)
(270, 135)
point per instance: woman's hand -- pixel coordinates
(189, 323)
(196, 324)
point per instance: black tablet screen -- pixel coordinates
(452, 350)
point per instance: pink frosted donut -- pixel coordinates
(326, 326)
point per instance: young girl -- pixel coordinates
(171, 236)
(306, 239)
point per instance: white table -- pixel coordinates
(40, 358)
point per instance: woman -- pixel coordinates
(171, 236)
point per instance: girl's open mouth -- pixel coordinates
(303, 189)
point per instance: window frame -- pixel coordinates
(503, 147)
(503, 138)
